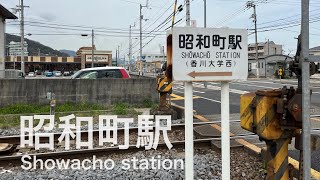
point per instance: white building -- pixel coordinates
(4, 14)
(15, 48)
(151, 62)
(269, 54)
(264, 49)
(153, 57)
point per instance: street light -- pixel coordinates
(92, 45)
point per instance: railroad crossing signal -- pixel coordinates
(275, 116)
(164, 85)
(280, 72)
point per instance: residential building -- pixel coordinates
(264, 49)
(4, 14)
(153, 57)
(269, 65)
(150, 62)
(315, 51)
(15, 48)
(269, 53)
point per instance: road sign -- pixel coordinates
(208, 54)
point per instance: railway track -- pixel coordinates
(15, 139)
(83, 153)
(14, 157)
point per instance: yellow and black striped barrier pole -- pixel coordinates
(276, 157)
(259, 114)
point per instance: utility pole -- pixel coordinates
(205, 13)
(92, 53)
(141, 18)
(305, 69)
(130, 45)
(250, 4)
(116, 57)
(205, 26)
(118, 54)
(22, 36)
(21, 9)
(188, 13)
(265, 60)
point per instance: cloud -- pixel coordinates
(48, 17)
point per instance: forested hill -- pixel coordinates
(34, 47)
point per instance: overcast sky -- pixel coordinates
(60, 23)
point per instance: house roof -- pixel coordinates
(6, 13)
(260, 43)
(274, 55)
(315, 48)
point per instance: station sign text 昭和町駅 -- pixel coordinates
(208, 54)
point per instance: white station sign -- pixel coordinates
(208, 54)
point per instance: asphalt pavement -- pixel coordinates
(207, 102)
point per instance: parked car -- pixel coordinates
(57, 73)
(66, 73)
(31, 74)
(48, 74)
(38, 72)
(101, 72)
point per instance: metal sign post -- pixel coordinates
(209, 55)
(188, 91)
(188, 115)
(225, 130)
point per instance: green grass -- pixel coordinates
(79, 107)
(10, 115)
(24, 108)
(32, 109)
(121, 109)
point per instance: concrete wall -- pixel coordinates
(101, 91)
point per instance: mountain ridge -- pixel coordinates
(34, 47)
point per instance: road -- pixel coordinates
(207, 100)
(207, 103)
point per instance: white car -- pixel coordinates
(57, 73)
(31, 74)
(101, 73)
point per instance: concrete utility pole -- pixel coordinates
(250, 4)
(92, 53)
(141, 18)
(265, 60)
(118, 54)
(130, 45)
(22, 36)
(305, 67)
(205, 13)
(205, 26)
(116, 57)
